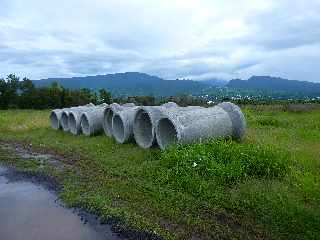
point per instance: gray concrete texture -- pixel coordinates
(108, 115)
(74, 117)
(122, 124)
(56, 117)
(91, 120)
(65, 115)
(145, 121)
(195, 125)
(164, 125)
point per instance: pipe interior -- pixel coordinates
(85, 125)
(118, 128)
(54, 120)
(143, 129)
(166, 133)
(64, 121)
(72, 123)
(107, 122)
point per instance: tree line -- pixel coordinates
(23, 94)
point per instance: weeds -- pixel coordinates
(195, 167)
(269, 182)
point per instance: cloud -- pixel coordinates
(195, 39)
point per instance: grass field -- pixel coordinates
(266, 187)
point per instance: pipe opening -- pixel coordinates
(64, 121)
(166, 133)
(85, 126)
(54, 121)
(107, 122)
(72, 124)
(118, 128)
(143, 129)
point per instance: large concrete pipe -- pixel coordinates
(64, 120)
(74, 118)
(223, 120)
(122, 124)
(91, 120)
(55, 118)
(108, 115)
(145, 121)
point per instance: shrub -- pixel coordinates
(196, 167)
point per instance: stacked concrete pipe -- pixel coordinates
(91, 120)
(178, 126)
(64, 120)
(74, 117)
(108, 115)
(145, 121)
(55, 118)
(122, 124)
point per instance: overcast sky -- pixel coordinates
(197, 39)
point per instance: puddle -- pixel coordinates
(30, 212)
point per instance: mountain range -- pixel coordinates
(129, 84)
(266, 83)
(135, 84)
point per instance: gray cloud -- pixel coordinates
(172, 39)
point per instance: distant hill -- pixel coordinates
(138, 84)
(129, 84)
(215, 82)
(274, 84)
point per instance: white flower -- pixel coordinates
(195, 164)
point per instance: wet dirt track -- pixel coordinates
(29, 211)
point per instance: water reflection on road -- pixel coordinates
(30, 212)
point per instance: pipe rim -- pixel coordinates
(85, 125)
(118, 128)
(144, 136)
(72, 123)
(107, 121)
(164, 127)
(237, 118)
(64, 121)
(54, 120)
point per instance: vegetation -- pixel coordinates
(123, 85)
(23, 94)
(264, 187)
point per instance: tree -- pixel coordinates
(55, 93)
(4, 102)
(104, 96)
(28, 95)
(10, 95)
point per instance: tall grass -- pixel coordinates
(269, 183)
(196, 168)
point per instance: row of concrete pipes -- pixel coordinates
(150, 126)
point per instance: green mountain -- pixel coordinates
(273, 84)
(129, 84)
(140, 84)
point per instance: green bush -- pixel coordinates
(198, 167)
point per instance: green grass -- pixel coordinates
(264, 187)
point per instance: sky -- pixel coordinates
(193, 39)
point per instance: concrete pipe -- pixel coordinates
(122, 124)
(108, 115)
(64, 120)
(91, 120)
(55, 118)
(145, 121)
(223, 120)
(74, 118)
